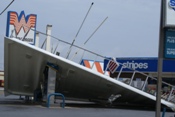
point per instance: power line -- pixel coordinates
(7, 7)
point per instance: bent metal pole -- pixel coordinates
(89, 38)
(78, 31)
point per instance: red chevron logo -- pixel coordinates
(22, 22)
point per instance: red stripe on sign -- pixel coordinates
(112, 66)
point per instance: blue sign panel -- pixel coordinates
(169, 43)
(143, 64)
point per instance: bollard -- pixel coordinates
(163, 113)
(57, 94)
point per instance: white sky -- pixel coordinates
(131, 30)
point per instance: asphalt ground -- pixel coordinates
(12, 106)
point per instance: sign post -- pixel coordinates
(160, 60)
(166, 43)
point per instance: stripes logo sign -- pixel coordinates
(112, 65)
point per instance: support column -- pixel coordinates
(51, 84)
(48, 39)
(37, 40)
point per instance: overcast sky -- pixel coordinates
(131, 30)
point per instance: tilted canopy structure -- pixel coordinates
(24, 67)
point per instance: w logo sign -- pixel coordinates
(20, 26)
(22, 21)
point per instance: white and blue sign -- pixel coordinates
(169, 13)
(172, 4)
(143, 64)
(169, 51)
